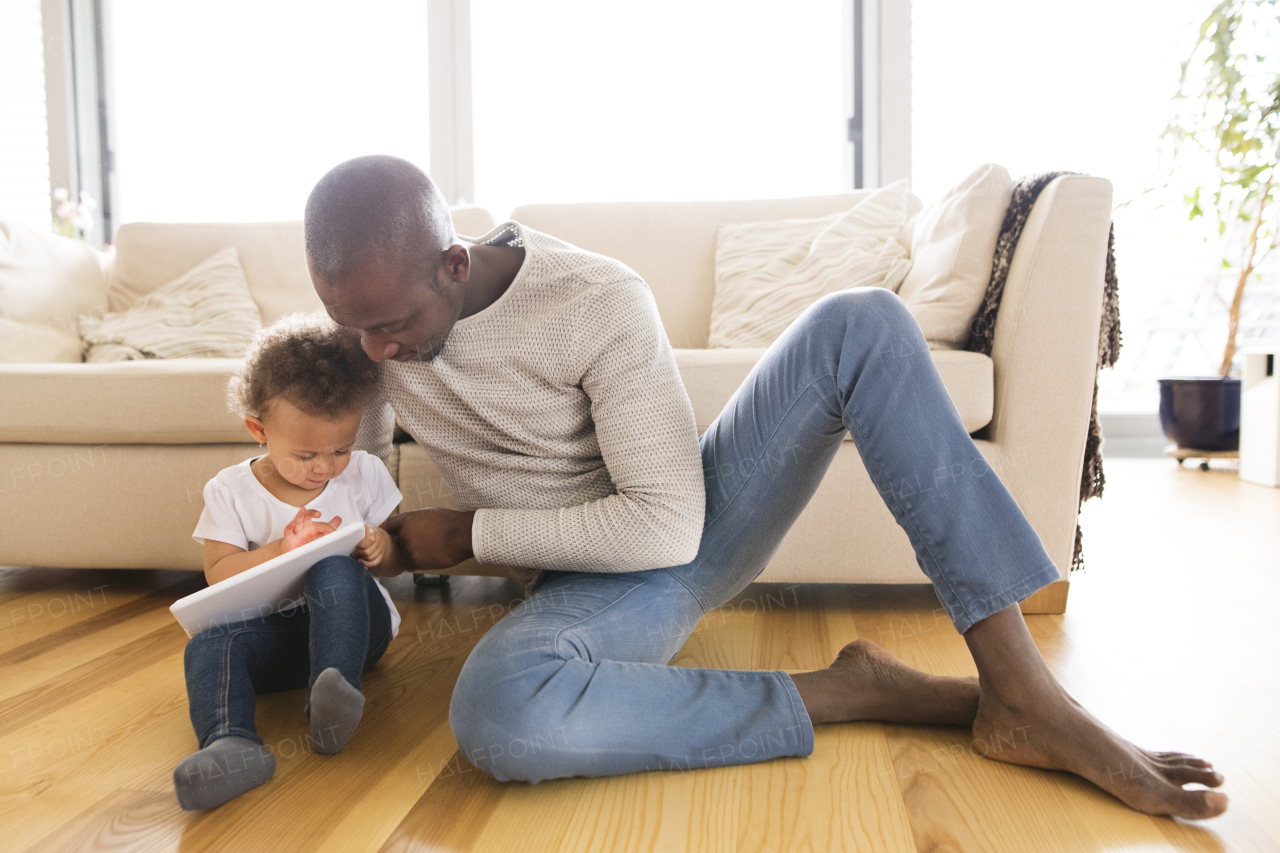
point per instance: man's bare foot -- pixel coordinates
(1025, 717)
(1056, 733)
(867, 683)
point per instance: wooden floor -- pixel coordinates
(1172, 637)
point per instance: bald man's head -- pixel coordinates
(384, 258)
(376, 208)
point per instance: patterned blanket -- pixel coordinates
(1025, 192)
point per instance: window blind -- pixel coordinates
(24, 133)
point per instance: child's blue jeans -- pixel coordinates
(575, 681)
(344, 624)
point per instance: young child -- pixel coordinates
(300, 391)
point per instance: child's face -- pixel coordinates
(306, 451)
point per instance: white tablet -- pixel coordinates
(264, 589)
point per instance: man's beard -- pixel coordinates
(429, 355)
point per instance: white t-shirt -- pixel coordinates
(240, 511)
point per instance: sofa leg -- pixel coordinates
(1050, 599)
(420, 579)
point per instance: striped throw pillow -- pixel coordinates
(767, 273)
(205, 313)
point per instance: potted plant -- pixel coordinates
(1225, 145)
(71, 219)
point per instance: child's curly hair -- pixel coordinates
(308, 360)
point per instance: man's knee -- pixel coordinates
(502, 730)
(876, 317)
(873, 304)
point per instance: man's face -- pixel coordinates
(399, 317)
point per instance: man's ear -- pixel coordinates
(255, 428)
(457, 263)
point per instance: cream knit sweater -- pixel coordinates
(558, 414)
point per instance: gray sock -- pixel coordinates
(336, 707)
(221, 771)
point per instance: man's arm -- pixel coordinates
(648, 440)
(436, 539)
(426, 540)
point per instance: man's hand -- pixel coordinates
(304, 529)
(431, 540)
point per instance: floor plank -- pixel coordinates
(1171, 637)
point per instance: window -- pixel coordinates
(232, 111)
(1084, 87)
(24, 139)
(665, 100)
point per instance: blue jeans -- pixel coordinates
(344, 624)
(575, 681)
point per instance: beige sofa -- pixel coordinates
(102, 465)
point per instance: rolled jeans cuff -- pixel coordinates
(804, 726)
(966, 614)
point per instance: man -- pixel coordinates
(539, 378)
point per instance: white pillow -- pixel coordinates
(37, 342)
(952, 244)
(767, 273)
(205, 313)
(45, 282)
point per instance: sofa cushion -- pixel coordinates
(712, 375)
(37, 342)
(183, 401)
(471, 220)
(767, 273)
(672, 245)
(952, 245)
(205, 313)
(45, 281)
(150, 254)
(158, 401)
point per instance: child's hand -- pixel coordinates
(304, 529)
(373, 547)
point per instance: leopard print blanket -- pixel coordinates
(1025, 192)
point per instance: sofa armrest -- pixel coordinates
(1045, 353)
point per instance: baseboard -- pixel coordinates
(1135, 435)
(1050, 599)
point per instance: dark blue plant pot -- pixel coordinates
(1201, 412)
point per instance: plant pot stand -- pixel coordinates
(1184, 453)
